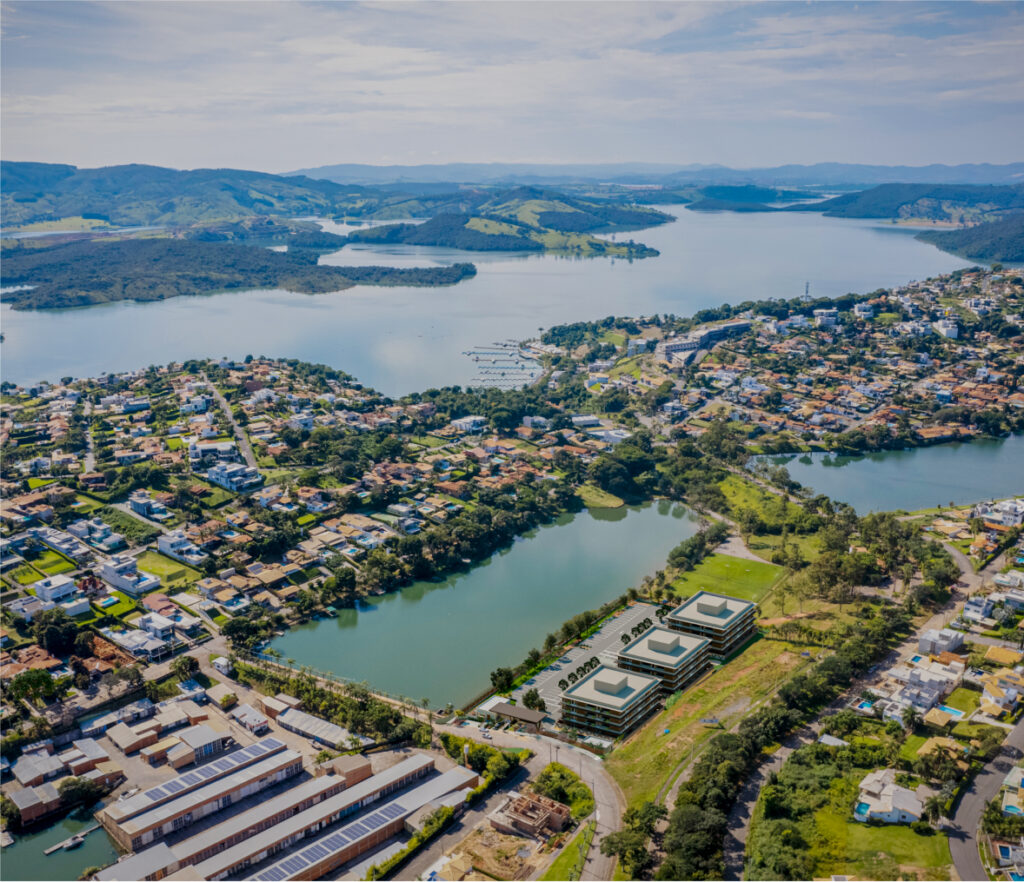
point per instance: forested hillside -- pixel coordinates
(100, 271)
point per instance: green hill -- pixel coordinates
(84, 272)
(957, 203)
(1000, 240)
(498, 233)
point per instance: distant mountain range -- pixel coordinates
(824, 175)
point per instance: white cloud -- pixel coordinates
(282, 85)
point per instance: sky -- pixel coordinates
(278, 86)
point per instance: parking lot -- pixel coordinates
(605, 645)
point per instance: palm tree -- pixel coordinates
(933, 808)
(594, 662)
(573, 678)
(625, 639)
(563, 684)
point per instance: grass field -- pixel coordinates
(910, 747)
(891, 852)
(25, 575)
(124, 606)
(966, 700)
(51, 563)
(85, 505)
(135, 532)
(306, 519)
(171, 572)
(648, 757)
(595, 497)
(569, 864)
(36, 483)
(724, 574)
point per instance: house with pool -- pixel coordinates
(882, 799)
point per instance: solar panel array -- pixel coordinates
(340, 839)
(233, 760)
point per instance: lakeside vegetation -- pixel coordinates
(88, 272)
(996, 240)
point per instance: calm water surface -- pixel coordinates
(913, 479)
(25, 859)
(406, 339)
(440, 640)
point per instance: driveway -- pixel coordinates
(963, 832)
(243, 441)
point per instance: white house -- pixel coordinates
(156, 625)
(122, 572)
(55, 588)
(947, 328)
(234, 477)
(882, 799)
(174, 544)
(470, 424)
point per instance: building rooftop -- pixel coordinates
(661, 646)
(138, 866)
(223, 861)
(366, 825)
(711, 610)
(126, 808)
(611, 688)
(162, 813)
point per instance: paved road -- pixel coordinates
(963, 832)
(90, 448)
(240, 436)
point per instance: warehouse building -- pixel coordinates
(675, 659)
(726, 622)
(253, 836)
(116, 815)
(610, 701)
(178, 813)
(326, 854)
(316, 729)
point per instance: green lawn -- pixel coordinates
(427, 441)
(124, 606)
(306, 519)
(870, 849)
(36, 483)
(973, 730)
(25, 575)
(734, 576)
(84, 505)
(171, 572)
(52, 563)
(963, 699)
(135, 532)
(174, 443)
(595, 497)
(648, 757)
(569, 864)
(911, 746)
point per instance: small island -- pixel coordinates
(81, 273)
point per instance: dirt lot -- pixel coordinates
(500, 855)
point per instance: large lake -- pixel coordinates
(406, 339)
(440, 640)
(913, 479)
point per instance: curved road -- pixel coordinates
(963, 832)
(607, 796)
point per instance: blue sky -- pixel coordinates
(278, 86)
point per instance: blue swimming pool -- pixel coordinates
(1011, 810)
(862, 810)
(865, 705)
(108, 601)
(952, 711)
(1004, 852)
